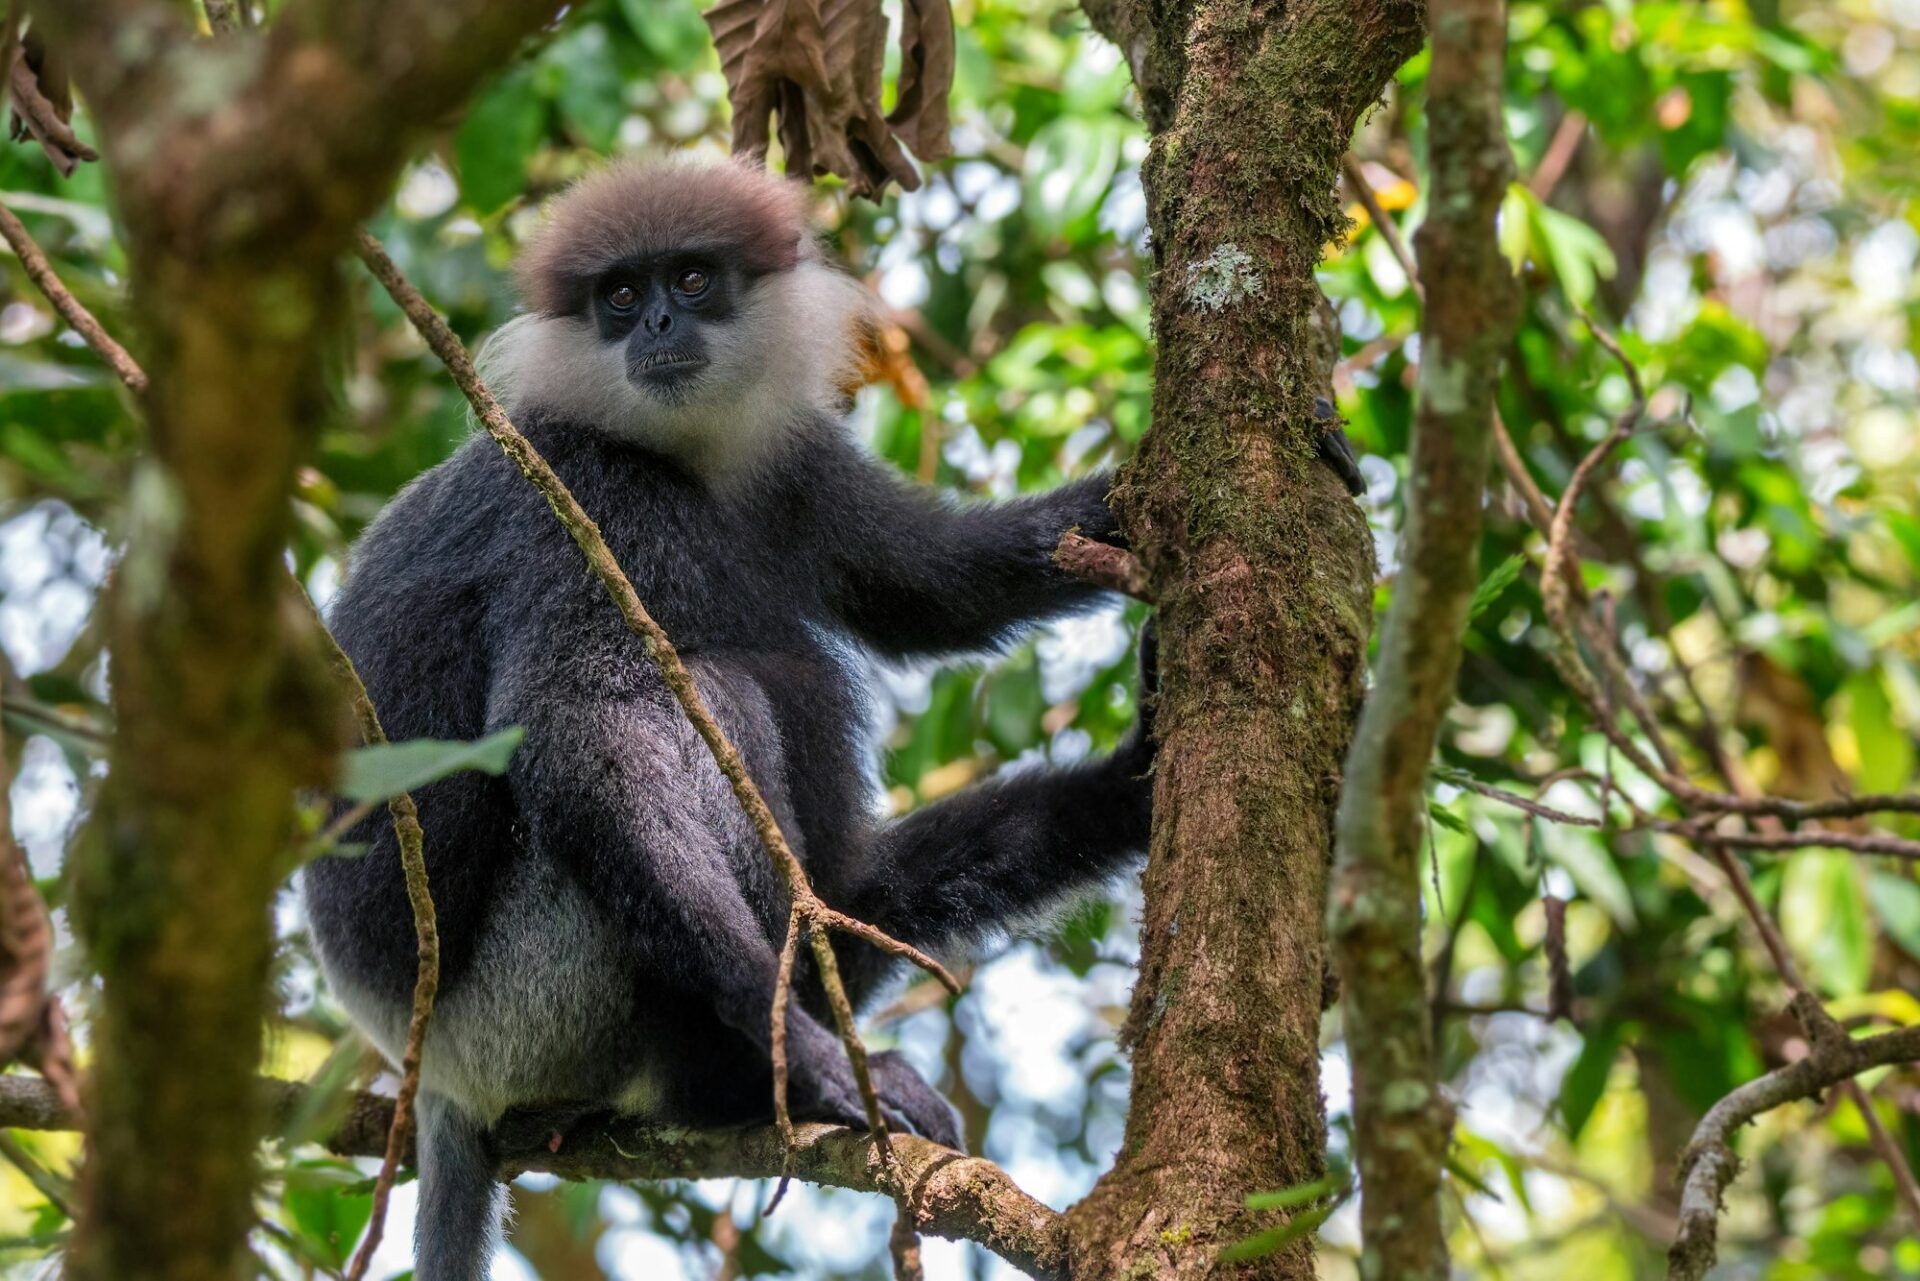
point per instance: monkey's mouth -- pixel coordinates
(678, 359)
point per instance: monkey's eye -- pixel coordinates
(692, 281)
(622, 297)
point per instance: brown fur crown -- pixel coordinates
(637, 208)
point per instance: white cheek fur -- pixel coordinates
(782, 358)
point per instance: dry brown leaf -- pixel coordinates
(919, 116)
(817, 66)
(52, 1053)
(26, 953)
(43, 103)
(1779, 702)
(26, 940)
(33, 1028)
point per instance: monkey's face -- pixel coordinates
(673, 318)
(681, 307)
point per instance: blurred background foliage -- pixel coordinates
(1730, 186)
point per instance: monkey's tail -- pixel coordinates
(461, 1201)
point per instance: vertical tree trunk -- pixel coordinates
(215, 732)
(240, 171)
(1263, 569)
(1402, 1124)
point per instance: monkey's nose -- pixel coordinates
(659, 322)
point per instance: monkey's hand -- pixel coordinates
(1095, 518)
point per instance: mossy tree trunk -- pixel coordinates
(1263, 568)
(240, 169)
(1402, 1122)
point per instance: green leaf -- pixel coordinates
(1459, 1170)
(1076, 939)
(1886, 750)
(1515, 226)
(1578, 255)
(1494, 584)
(1448, 819)
(1298, 1194)
(1014, 705)
(1824, 917)
(387, 769)
(1471, 1150)
(326, 1215)
(672, 30)
(1261, 1245)
(1069, 166)
(579, 72)
(1586, 1080)
(1896, 901)
(500, 134)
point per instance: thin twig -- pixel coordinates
(55, 721)
(426, 982)
(41, 273)
(1561, 149)
(1905, 1186)
(1812, 838)
(9, 51)
(782, 994)
(1533, 808)
(1560, 975)
(55, 136)
(1363, 191)
(1515, 467)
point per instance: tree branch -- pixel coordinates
(325, 103)
(1402, 1123)
(1103, 564)
(34, 262)
(1262, 572)
(1709, 1162)
(426, 983)
(959, 1197)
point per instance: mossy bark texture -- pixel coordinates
(240, 168)
(1401, 1122)
(1263, 569)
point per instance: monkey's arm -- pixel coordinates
(914, 573)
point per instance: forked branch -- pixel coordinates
(1709, 1163)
